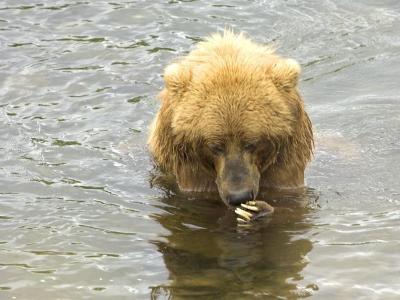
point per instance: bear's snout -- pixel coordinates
(237, 198)
(237, 179)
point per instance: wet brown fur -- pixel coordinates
(231, 90)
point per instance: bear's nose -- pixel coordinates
(238, 198)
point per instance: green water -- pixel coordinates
(78, 217)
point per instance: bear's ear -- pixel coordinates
(177, 77)
(285, 73)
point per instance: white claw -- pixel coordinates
(240, 220)
(250, 207)
(243, 213)
(244, 225)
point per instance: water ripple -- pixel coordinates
(79, 218)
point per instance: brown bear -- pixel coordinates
(232, 120)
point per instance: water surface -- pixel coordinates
(79, 219)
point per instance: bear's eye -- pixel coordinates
(216, 149)
(250, 147)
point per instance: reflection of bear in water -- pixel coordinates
(208, 258)
(232, 121)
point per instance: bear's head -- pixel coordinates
(235, 120)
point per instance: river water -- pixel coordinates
(78, 217)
